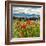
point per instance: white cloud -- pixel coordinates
(25, 10)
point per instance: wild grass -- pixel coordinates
(25, 28)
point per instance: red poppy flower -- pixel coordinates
(28, 22)
(23, 26)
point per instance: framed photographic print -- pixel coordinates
(25, 22)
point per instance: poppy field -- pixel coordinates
(25, 28)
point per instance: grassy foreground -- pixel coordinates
(25, 28)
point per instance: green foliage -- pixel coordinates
(30, 30)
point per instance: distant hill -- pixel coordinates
(27, 16)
